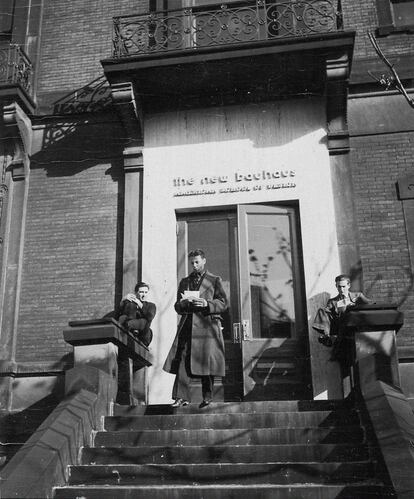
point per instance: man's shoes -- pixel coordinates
(205, 403)
(180, 403)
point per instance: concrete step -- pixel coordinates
(230, 453)
(257, 491)
(203, 474)
(239, 436)
(233, 420)
(236, 407)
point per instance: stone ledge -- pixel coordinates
(380, 319)
(107, 330)
(392, 418)
(42, 462)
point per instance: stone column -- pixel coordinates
(337, 71)
(131, 114)
(133, 192)
(15, 183)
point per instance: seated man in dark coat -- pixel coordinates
(328, 319)
(137, 313)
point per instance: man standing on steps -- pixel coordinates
(198, 347)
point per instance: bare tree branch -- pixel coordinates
(388, 80)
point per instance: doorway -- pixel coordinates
(256, 251)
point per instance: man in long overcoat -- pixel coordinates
(198, 347)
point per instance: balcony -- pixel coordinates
(196, 28)
(16, 74)
(227, 53)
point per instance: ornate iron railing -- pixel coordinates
(15, 66)
(94, 96)
(248, 21)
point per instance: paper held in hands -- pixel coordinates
(341, 305)
(191, 295)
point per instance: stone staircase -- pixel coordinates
(275, 449)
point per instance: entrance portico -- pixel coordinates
(233, 180)
(261, 124)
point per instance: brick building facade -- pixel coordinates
(65, 236)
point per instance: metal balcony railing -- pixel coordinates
(224, 24)
(15, 66)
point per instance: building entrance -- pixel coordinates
(256, 250)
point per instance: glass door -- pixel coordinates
(215, 233)
(255, 249)
(273, 321)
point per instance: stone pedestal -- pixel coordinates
(374, 331)
(105, 346)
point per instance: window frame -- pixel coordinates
(386, 20)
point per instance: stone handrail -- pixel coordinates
(110, 347)
(91, 388)
(377, 386)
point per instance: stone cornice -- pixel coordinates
(133, 159)
(337, 80)
(18, 129)
(128, 106)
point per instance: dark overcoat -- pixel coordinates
(327, 319)
(207, 344)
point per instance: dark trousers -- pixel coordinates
(139, 327)
(182, 383)
(144, 332)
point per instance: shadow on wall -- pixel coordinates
(325, 370)
(70, 147)
(271, 124)
(280, 373)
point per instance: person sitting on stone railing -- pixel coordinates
(328, 319)
(136, 314)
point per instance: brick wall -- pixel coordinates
(361, 15)
(76, 35)
(73, 235)
(377, 163)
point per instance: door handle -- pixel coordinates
(246, 330)
(241, 331)
(236, 332)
